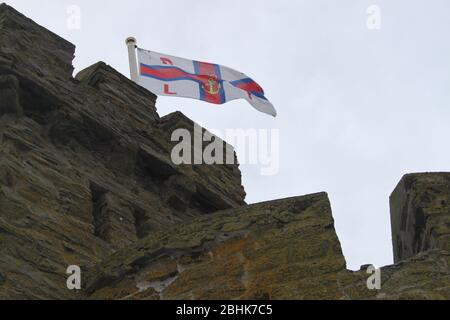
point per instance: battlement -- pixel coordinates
(29, 49)
(420, 214)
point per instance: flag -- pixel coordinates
(173, 76)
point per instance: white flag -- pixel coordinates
(167, 75)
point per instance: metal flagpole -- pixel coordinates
(131, 44)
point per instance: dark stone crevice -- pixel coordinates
(419, 228)
(99, 220)
(207, 200)
(404, 215)
(150, 169)
(140, 222)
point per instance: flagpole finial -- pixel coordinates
(131, 41)
(132, 45)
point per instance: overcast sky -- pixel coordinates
(357, 108)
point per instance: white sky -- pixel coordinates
(357, 108)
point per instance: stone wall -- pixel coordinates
(420, 214)
(85, 164)
(285, 249)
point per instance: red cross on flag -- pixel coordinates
(167, 75)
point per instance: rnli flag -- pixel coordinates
(172, 76)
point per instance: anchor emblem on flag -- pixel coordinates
(213, 85)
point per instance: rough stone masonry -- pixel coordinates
(86, 179)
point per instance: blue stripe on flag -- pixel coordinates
(200, 85)
(219, 77)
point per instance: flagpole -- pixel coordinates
(132, 45)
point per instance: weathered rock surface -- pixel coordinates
(420, 214)
(86, 178)
(275, 250)
(425, 276)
